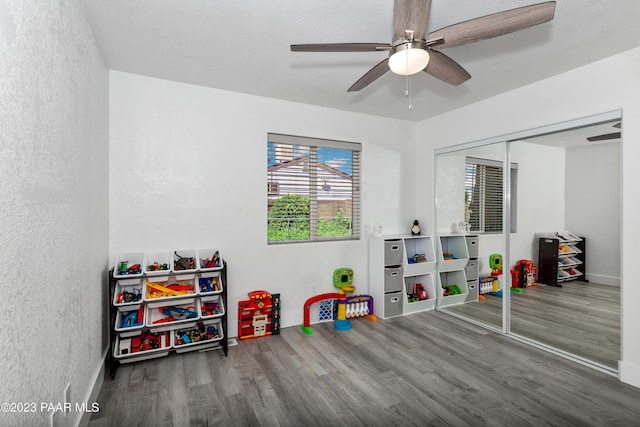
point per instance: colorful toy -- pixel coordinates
(323, 308)
(209, 284)
(495, 261)
(198, 334)
(524, 274)
(259, 316)
(419, 293)
(133, 318)
(124, 269)
(183, 263)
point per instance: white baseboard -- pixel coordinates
(603, 280)
(92, 397)
(629, 373)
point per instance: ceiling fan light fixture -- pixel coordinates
(408, 58)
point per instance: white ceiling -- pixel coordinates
(244, 46)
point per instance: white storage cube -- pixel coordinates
(155, 262)
(126, 261)
(209, 333)
(210, 283)
(180, 257)
(157, 316)
(208, 306)
(209, 260)
(123, 348)
(129, 321)
(125, 293)
(152, 293)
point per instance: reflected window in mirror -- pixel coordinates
(484, 197)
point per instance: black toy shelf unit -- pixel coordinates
(163, 302)
(561, 258)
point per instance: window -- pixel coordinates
(483, 195)
(313, 189)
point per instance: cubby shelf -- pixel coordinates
(397, 265)
(155, 334)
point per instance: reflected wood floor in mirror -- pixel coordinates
(582, 318)
(427, 368)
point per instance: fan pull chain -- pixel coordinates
(407, 89)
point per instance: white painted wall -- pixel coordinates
(540, 190)
(53, 206)
(593, 207)
(188, 171)
(541, 196)
(606, 85)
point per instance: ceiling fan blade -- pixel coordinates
(495, 25)
(605, 137)
(446, 69)
(340, 47)
(410, 15)
(370, 76)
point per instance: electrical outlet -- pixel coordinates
(67, 398)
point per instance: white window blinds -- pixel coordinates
(313, 189)
(484, 195)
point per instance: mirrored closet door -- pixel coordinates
(560, 260)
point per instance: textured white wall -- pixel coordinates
(53, 205)
(607, 85)
(188, 170)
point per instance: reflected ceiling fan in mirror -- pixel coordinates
(607, 136)
(413, 50)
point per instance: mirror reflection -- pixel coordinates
(564, 240)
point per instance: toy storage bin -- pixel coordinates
(392, 279)
(392, 304)
(183, 254)
(210, 283)
(126, 286)
(410, 286)
(152, 293)
(471, 269)
(393, 252)
(210, 337)
(207, 302)
(209, 255)
(452, 278)
(454, 246)
(472, 246)
(123, 350)
(161, 259)
(130, 260)
(154, 317)
(131, 315)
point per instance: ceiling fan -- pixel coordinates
(607, 136)
(413, 50)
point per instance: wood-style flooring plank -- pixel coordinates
(582, 318)
(422, 369)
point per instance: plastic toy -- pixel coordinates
(124, 269)
(209, 284)
(495, 261)
(157, 267)
(259, 316)
(523, 274)
(183, 263)
(323, 308)
(133, 318)
(129, 296)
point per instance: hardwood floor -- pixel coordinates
(581, 318)
(422, 369)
